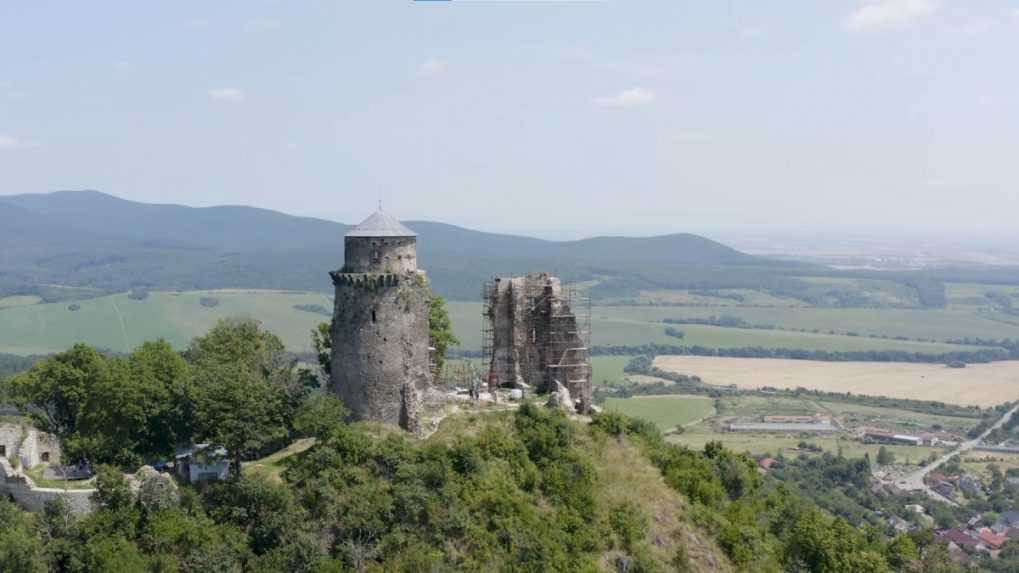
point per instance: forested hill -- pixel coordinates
(88, 238)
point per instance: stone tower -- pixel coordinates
(380, 356)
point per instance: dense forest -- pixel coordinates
(529, 490)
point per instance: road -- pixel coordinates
(914, 481)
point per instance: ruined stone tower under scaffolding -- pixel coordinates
(535, 332)
(380, 354)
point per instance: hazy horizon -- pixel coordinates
(882, 118)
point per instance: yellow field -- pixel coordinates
(977, 384)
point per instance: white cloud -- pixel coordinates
(627, 98)
(8, 142)
(431, 67)
(876, 14)
(227, 94)
(123, 66)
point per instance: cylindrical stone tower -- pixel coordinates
(380, 337)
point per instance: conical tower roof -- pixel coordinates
(380, 224)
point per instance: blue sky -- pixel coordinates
(555, 118)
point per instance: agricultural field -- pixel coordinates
(696, 436)
(753, 408)
(120, 323)
(747, 408)
(926, 324)
(977, 384)
(636, 325)
(608, 369)
(980, 463)
(723, 298)
(666, 412)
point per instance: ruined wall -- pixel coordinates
(31, 498)
(380, 254)
(533, 332)
(28, 445)
(380, 336)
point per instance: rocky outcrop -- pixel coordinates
(560, 398)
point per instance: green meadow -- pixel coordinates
(666, 412)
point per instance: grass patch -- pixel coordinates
(608, 370)
(666, 412)
(272, 466)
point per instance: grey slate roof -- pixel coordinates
(380, 224)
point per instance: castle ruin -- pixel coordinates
(380, 338)
(535, 334)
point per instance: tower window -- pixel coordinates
(373, 315)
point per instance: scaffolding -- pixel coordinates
(489, 294)
(549, 343)
(567, 350)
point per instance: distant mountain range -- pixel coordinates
(96, 240)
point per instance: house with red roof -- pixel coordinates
(992, 540)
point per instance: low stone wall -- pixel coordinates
(31, 498)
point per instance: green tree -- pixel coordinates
(246, 390)
(322, 342)
(20, 548)
(58, 388)
(885, 457)
(440, 330)
(319, 415)
(142, 408)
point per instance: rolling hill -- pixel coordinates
(96, 240)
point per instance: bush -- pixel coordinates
(74, 307)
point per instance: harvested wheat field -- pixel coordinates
(977, 384)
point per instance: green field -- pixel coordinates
(635, 325)
(608, 369)
(119, 323)
(930, 324)
(666, 412)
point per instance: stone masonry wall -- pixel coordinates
(380, 361)
(28, 445)
(530, 318)
(31, 498)
(380, 254)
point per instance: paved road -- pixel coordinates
(914, 481)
